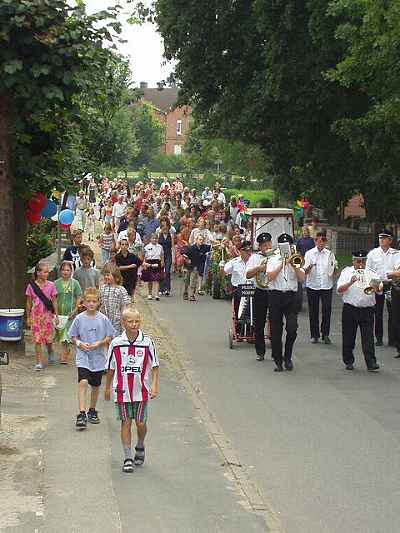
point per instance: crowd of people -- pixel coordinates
(149, 232)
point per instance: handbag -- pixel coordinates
(42, 297)
(62, 322)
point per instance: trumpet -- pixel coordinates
(366, 282)
(261, 277)
(290, 255)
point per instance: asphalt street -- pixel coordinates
(321, 443)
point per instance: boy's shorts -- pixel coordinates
(93, 378)
(132, 410)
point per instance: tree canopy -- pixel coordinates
(283, 75)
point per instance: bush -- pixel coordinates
(39, 241)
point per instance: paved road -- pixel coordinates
(54, 479)
(321, 443)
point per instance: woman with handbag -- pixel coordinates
(41, 312)
(68, 298)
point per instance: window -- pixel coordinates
(177, 149)
(179, 127)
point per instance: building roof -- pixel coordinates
(163, 99)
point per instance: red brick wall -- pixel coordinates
(172, 137)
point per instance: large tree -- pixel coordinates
(46, 51)
(254, 71)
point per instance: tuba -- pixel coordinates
(261, 277)
(366, 282)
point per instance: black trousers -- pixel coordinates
(396, 317)
(352, 319)
(314, 296)
(380, 304)
(261, 302)
(283, 304)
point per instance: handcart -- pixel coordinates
(242, 328)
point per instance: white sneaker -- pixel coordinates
(38, 367)
(149, 297)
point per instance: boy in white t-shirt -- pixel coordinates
(133, 370)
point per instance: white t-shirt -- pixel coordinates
(206, 233)
(318, 277)
(153, 251)
(133, 363)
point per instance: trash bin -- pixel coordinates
(11, 324)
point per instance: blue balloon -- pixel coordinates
(49, 210)
(66, 217)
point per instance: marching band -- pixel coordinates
(372, 279)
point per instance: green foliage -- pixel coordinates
(168, 163)
(260, 198)
(149, 132)
(39, 242)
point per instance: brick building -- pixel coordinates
(175, 119)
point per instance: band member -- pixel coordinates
(236, 268)
(319, 266)
(283, 277)
(382, 259)
(256, 266)
(394, 276)
(358, 311)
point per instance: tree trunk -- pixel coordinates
(8, 291)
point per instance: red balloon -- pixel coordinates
(33, 217)
(65, 227)
(37, 201)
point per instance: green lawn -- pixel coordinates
(262, 195)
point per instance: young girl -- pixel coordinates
(153, 266)
(41, 312)
(107, 211)
(113, 297)
(68, 297)
(90, 226)
(106, 242)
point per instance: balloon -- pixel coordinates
(66, 217)
(33, 217)
(37, 201)
(49, 210)
(65, 227)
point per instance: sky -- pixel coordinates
(144, 47)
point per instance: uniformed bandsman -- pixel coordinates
(236, 268)
(382, 260)
(394, 276)
(319, 266)
(283, 280)
(257, 264)
(358, 312)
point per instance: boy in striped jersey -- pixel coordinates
(133, 371)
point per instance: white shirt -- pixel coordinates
(286, 280)
(123, 235)
(236, 267)
(383, 262)
(119, 209)
(153, 251)
(221, 198)
(354, 295)
(318, 278)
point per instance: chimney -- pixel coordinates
(143, 84)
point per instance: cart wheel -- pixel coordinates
(230, 340)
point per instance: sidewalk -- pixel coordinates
(55, 478)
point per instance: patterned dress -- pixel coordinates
(42, 319)
(113, 298)
(67, 296)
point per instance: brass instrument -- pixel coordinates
(289, 253)
(261, 277)
(366, 282)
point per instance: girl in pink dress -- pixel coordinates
(39, 317)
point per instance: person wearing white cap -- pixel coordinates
(382, 260)
(358, 310)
